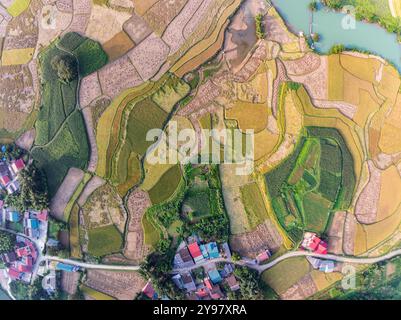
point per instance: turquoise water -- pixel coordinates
(328, 24)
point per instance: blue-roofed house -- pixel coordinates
(205, 254)
(213, 250)
(215, 276)
(326, 266)
(32, 223)
(13, 216)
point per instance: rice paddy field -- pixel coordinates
(104, 240)
(61, 140)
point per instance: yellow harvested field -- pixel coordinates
(363, 68)
(390, 193)
(293, 116)
(335, 78)
(387, 142)
(360, 242)
(265, 143)
(249, 115)
(390, 83)
(380, 231)
(365, 108)
(197, 55)
(254, 90)
(16, 56)
(206, 48)
(353, 85)
(323, 280)
(141, 6)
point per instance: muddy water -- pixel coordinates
(241, 36)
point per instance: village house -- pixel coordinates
(188, 282)
(183, 259)
(149, 291)
(232, 283)
(215, 276)
(263, 256)
(313, 243)
(196, 252)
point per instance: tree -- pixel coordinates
(315, 37)
(33, 190)
(249, 283)
(7, 241)
(313, 6)
(66, 67)
(260, 32)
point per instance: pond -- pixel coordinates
(336, 28)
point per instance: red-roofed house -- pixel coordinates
(4, 180)
(202, 293)
(263, 256)
(23, 251)
(195, 252)
(208, 283)
(149, 291)
(23, 268)
(232, 283)
(321, 248)
(313, 243)
(14, 274)
(42, 216)
(17, 166)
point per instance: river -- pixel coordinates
(330, 26)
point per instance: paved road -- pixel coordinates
(91, 265)
(259, 268)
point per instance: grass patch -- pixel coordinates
(254, 204)
(104, 240)
(18, 6)
(286, 273)
(166, 186)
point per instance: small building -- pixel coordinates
(183, 258)
(66, 267)
(327, 266)
(195, 252)
(227, 270)
(213, 250)
(232, 283)
(204, 251)
(149, 291)
(208, 283)
(214, 276)
(31, 223)
(52, 242)
(202, 293)
(13, 187)
(313, 243)
(32, 233)
(23, 251)
(188, 282)
(8, 257)
(216, 293)
(177, 279)
(13, 216)
(227, 251)
(315, 262)
(4, 180)
(43, 216)
(17, 166)
(49, 282)
(14, 274)
(263, 256)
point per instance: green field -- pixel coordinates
(199, 201)
(104, 240)
(314, 181)
(254, 205)
(166, 186)
(286, 273)
(61, 140)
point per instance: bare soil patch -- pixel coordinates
(121, 285)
